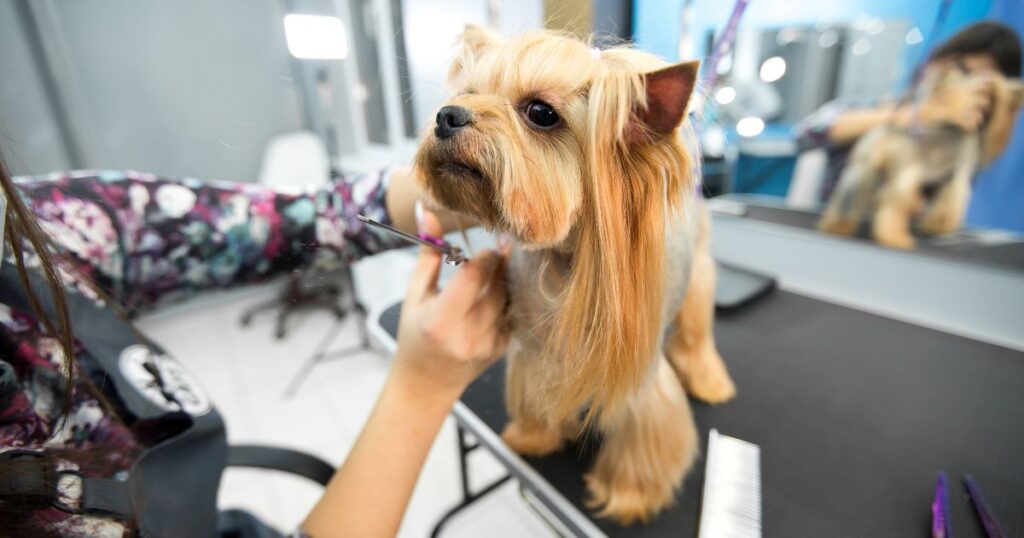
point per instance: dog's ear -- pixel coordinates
(472, 44)
(668, 94)
(476, 39)
(1016, 94)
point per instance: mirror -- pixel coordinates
(787, 79)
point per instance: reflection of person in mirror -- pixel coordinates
(915, 158)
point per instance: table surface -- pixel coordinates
(962, 246)
(855, 415)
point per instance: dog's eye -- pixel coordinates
(541, 115)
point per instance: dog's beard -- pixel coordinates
(456, 183)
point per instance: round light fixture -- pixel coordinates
(750, 126)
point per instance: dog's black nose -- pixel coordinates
(450, 119)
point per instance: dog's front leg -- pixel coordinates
(900, 201)
(691, 348)
(946, 213)
(531, 431)
(647, 449)
(851, 199)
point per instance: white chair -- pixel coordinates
(295, 160)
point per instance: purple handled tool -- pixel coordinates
(988, 520)
(452, 254)
(942, 526)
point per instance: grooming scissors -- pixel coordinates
(942, 524)
(452, 254)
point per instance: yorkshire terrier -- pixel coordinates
(922, 173)
(580, 155)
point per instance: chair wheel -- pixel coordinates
(246, 320)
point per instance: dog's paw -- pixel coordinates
(838, 226)
(703, 374)
(900, 241)
(531, 441)
(709, 381)
(938, 225)
(625, 503)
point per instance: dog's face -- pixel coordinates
(1007, 97)
(511, 147)
(563, 146)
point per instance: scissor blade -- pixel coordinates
(398, 232)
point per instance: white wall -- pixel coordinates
(175, 87)
(198, 87)
(30, 138)
(183, 87)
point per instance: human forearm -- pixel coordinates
(848, 127)
(368, 495)
(446, 338)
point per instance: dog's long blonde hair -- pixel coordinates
(609, 324)
(602, 190)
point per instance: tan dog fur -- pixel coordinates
(890, 167)
(608, 233)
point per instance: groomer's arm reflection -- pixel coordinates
(446, 339)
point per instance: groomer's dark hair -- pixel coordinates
(29, 483)
(987, 37)
(22, 230)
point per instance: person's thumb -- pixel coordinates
(428, 266)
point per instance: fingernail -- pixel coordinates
(420, 218)
(504, 243)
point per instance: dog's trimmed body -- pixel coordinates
(892, 168)
(578, 155)
(651, 443)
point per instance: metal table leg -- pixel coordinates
(468, 497)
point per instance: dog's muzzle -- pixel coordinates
(450, 120)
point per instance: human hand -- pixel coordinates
(446, 338)
(963, 104)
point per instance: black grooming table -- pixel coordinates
(855, 415)
(962, 246)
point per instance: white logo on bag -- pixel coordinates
(172, 387)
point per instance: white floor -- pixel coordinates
(246, 370)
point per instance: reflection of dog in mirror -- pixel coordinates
(899, 174)
(578, 155)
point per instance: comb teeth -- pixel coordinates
(732, 489)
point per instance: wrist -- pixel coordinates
(903, 115)
(422, 387)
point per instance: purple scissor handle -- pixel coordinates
(452, 254)
(942, 526)
(988, 519)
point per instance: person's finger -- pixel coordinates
(494, 346)
(463, 290)
(428, 265)
(986, 102)
(504, 245)
(973, 121)
(980, 99)
(491, 306)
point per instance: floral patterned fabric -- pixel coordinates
(148, 241)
